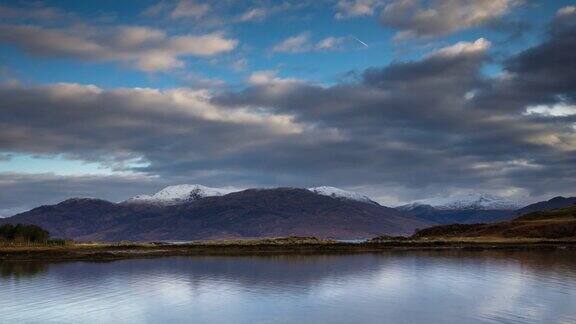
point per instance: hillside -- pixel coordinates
(245, 214)
(462, 209)
(460, 216)
(554, 203)
(553, 224)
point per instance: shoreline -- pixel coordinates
(109, 252)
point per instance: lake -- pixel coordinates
(392, 287)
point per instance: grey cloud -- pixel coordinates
(129, 123)
(32, 11)
(146, 48)
(417, 18)
(356, 8)
(411, 124)
(543, 74)
(403, 131)
(20, 192)
(216, 14)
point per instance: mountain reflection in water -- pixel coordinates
(395, 287)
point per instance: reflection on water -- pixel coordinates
(396, 287)
(21, 269)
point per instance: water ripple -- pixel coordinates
(399, 287)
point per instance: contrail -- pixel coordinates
(359, 41)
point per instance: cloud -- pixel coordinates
(416, 18)
(478, 46)
(254, 14)
(541, 75)
(145, 48)
(356, 8)
(329, 43)
(268, 77)
(402, 131)
(179, 10)
(408, 112)
(293, 44)
(21, 192)
(33, 11)
(240, 64)
(166, 130)
(189, 9)
(207, 15)
(555, 110)
(302, 43)
(566, 11)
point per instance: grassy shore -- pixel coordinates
(114, 251)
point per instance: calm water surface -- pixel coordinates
(400, 287)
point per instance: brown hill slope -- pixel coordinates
(552, 224)
(554, 203)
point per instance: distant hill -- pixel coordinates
(462, 209)
(554, 203)
(551, 224)
(470, 201)
(244, 214)
(460, 216)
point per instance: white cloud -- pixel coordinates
(478, 46)
(556, 110)
(189, 9)
(355, 8)
(566, 11)
(329, 43)
(146, 48)
(293, 44)
(302, 43)
(240, 64)
(266, 77)
(254, 14)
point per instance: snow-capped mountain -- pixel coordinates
(471, 201)
(339, 193)
(414, 206)
(177, 194)
(250, 213)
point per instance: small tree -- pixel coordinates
(24, 234)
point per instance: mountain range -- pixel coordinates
(193, 212)
(556, 223)
(463, 209)
(477, 208)
(190, 212)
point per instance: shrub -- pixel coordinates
(23, 234)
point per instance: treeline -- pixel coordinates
(25, 235)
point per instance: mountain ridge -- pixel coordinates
(470, 201)
(248, 213)
(182, 193)
(553, 203)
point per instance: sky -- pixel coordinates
(397, 99)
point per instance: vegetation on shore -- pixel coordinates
(27, 235)
(294, 245)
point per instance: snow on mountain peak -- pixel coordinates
(413, 206)
(177, 194)
(339, 193)
(180, 193)
(482, 201)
